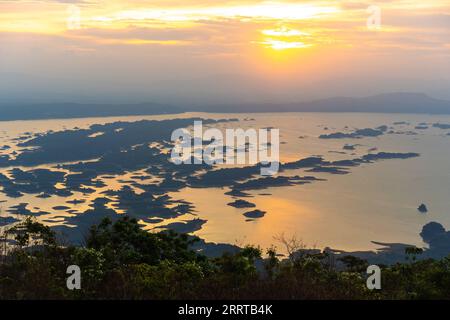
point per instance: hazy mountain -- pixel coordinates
(383, 103)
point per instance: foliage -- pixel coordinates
(122, 261)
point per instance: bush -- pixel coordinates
(122, 261)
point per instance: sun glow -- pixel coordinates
(223, 33)
(283, 45)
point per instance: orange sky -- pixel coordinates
(254, 50)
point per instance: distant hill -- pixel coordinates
(74, 110)
(383, 103)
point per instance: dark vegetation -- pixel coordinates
(76, 110)
(121, 261)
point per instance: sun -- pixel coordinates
(284, 45)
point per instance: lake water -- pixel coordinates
(375, 202)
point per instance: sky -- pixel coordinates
(198, 52)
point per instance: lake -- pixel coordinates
(374, 202)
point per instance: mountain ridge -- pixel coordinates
(398, 102)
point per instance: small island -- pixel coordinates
(422, 208)
(242, 204)
(255, 214)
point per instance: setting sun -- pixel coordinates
(283, 45)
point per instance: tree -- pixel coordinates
(32, 233)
